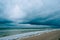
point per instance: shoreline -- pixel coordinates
(53, 35)
(26, 35)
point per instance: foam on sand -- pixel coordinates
(24, 35)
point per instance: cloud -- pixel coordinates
(45, 12)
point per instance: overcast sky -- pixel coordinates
(42, 12)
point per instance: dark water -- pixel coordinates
(7, 32)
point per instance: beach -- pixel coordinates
(53, 35)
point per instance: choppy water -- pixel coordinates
(7, 32)
(29, 34)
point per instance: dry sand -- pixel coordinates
(54, 35)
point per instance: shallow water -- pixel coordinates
(24, 35)
(7, 32)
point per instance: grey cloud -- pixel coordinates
(45, 12)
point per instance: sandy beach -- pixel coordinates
(53, 35)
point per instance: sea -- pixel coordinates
(9, 32)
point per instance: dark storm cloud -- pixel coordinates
(49, 14)
(37, 12)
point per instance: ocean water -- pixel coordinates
(29, 34)
(8, 32)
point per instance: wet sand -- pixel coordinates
(54, 35)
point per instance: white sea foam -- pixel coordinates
(24, 35)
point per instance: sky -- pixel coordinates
(32, 12)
